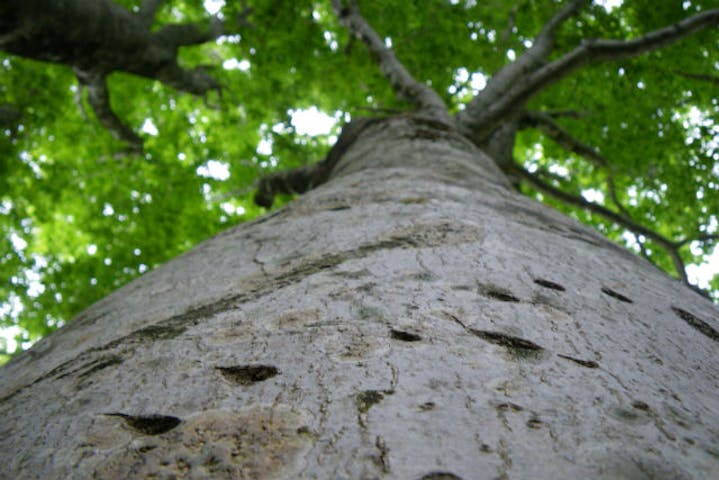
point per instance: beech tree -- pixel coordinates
(415, 313)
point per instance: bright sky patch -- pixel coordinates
(214, 169)
(312, 122)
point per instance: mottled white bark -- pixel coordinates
(411, 318)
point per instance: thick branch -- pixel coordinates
(100, 37)
(191, 33)
(578, 201)
(405, 86)
(481, 121)
(148, 9)
(99, 98)
(596, 50)
(529, 61)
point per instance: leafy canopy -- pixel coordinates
(81, 215)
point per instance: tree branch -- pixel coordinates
(544, 43)
(99, 99)
(596, 50)
(180, 35)
(9, 115)
(705, 237)
(105, 38)
(670, 247)
(148, 9)
(699, 76)
(480, 121)
(612, 189)
(405, 86)
(566, 113)
(511, 24)
(547, 125)
(528, 61)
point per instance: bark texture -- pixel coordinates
(412, 318)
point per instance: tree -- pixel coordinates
(82, 219)
(412, 316)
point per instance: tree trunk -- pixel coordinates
(411, 318)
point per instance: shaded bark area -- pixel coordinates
(410, 318)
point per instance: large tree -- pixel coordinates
(412, 315)
(81, 218)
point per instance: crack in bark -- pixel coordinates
(584, 363)
(417, 236)
(520, 347)
(697, 323)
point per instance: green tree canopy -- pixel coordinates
(103, 176)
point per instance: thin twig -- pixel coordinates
(567, 113)
(9, 115)
(554, 131)
(699, 76)
(511, 24)
(546, 124)
(705, 237)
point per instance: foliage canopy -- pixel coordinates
(81, 214)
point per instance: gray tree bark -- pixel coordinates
(412, 318)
